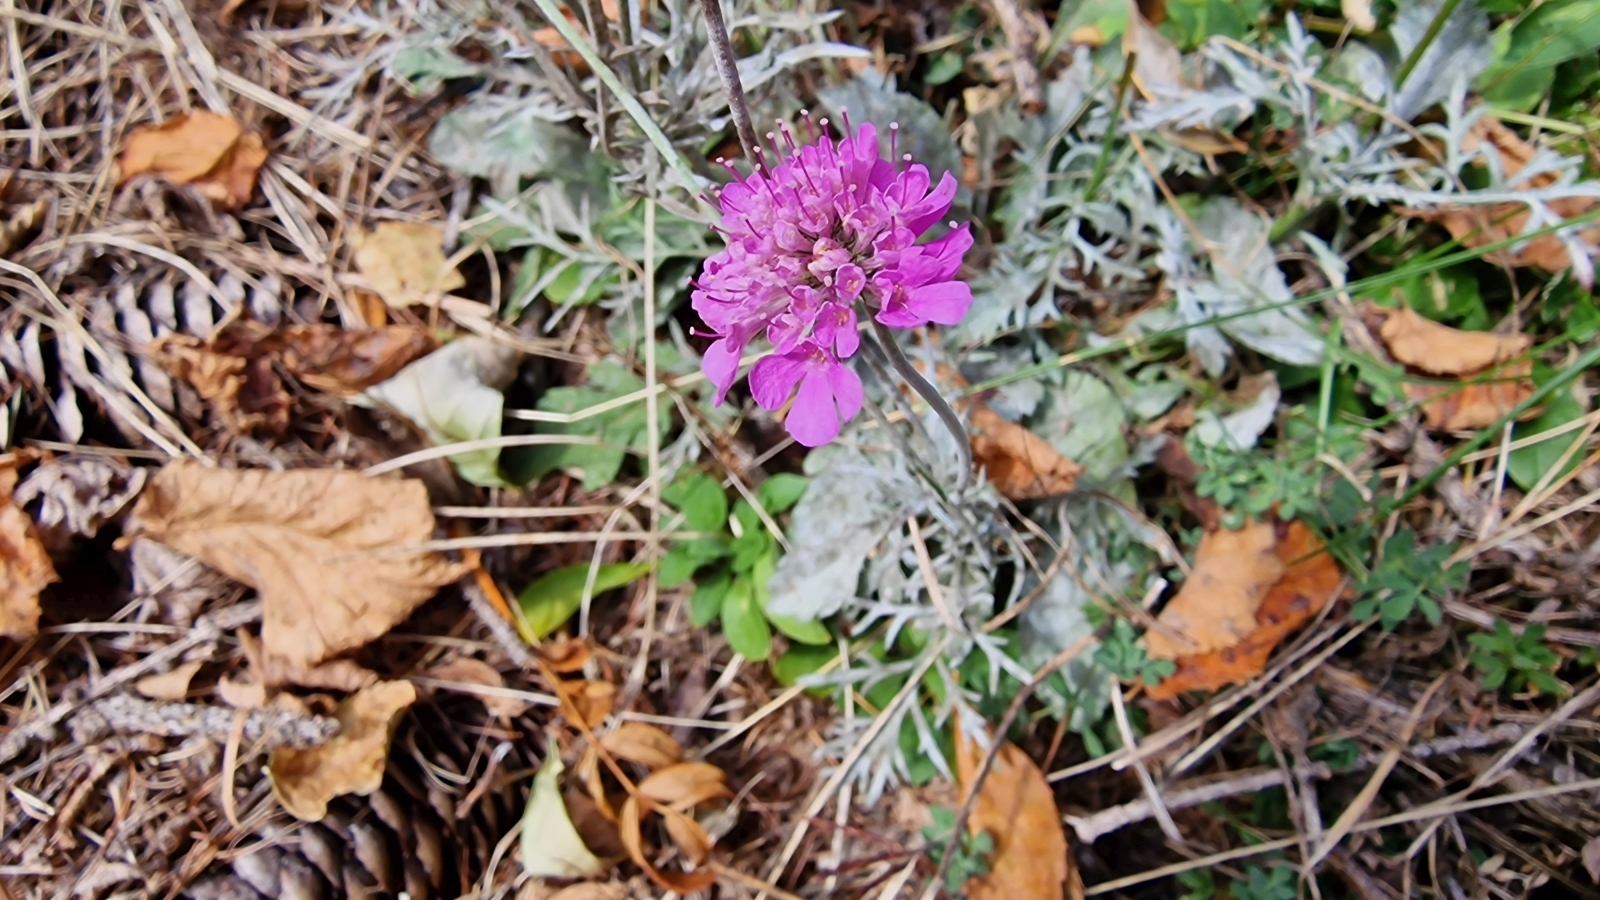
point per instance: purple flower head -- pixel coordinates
(828, 231)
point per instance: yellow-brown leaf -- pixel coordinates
(1233, 569)
(311, 542)
(25, 567)
(1017, 808)
(644, 744)
(211, 151)
(351, 762)
(405, 262)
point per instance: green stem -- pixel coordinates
(1415, 56)
(928, 392)
(1104, 160)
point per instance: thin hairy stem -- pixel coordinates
(728, 68)
(928, 392)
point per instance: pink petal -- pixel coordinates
(944, 303)
(911, 186)
(922, 215)
(721, 365)
(847, 390)
(772, 379)
(813, 420)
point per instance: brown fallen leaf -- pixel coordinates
(644, 744)
(246, 393)
(1216, 608)
(1490, 374)
(467, 670)
(562, 53)
(1022, 465)
(405, 262)
(630, 827)
(352, 762)
(237, 371)
(1017, 808)
(1476, 226)
(685, 785)
(25, 567)
(1421, 343)
(169, 685)
(1310, 579)
(310, 541)
(593, 699)
(210, 151)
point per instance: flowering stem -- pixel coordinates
(929, 393)
(728, 68)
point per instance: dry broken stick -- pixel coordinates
(1198, 791)
(274, 728)
(205, 631)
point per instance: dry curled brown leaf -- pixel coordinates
(1310, 579)
(246, 393)
(630, 827)
(1490, 374)
(172, 684)
(311, 542)
(405, 262)
(352, 762)
(25, 567)
(685, 785)
(1022, 465)
(1216, 608)
(210, 151)
(1017, 808)
(644, 744)
(1479, 225)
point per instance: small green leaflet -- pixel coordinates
(549, 602)
(781, 492)
(701, 500)
(743, 623)
(1529, 464)
(801, 660)
(619, 430)
(812, 632)
(705, 604)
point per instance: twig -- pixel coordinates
(207, 630)
(1369, 792)
(929, 393)
(1206, 790)
(1583, 701)
(505, 637)
(1019, 37)
(125, 713)
(728, 69)
(1125, 730)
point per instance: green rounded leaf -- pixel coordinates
(700, 498)
(743, 624)
(705, 604)
(551, 601)
(781, 492)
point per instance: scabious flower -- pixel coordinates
(828, 233)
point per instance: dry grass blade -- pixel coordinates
(1369, 792)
